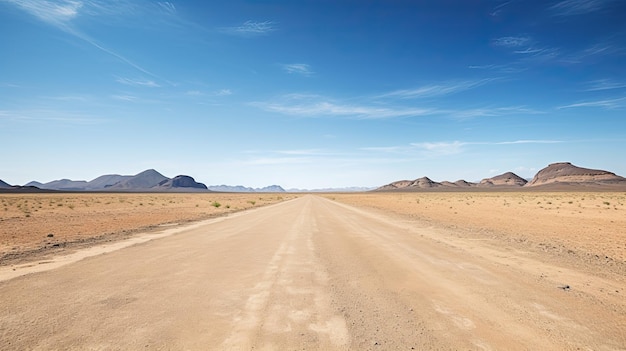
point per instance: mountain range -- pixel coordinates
(148, 180)
(243, 189)
(561, 175)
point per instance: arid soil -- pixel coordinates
(39, 224)
(319, 273)
(585, 226)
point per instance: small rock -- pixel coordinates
(564, 287)
(50, 235)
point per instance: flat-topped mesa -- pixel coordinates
(508, 179)
(565, 172)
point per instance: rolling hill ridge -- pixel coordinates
(561, 175)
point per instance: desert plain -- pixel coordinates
(352, 271)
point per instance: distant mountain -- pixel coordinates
(4, 185)
(562, 174)
(181, 181)
(408, 185)
(105, 181)
(567, 173)
(243, 189)
(62, 184)
(35, 184)
(144, 180)
(506, 179)
(149, 180)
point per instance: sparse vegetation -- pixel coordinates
(26, 218)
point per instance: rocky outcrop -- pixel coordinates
(506, 179)
(400, 184)
(567, 173)
(181, 181)
(420, 183)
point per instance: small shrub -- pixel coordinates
(216, 204)
(252, 202)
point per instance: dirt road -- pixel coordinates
(311, 273)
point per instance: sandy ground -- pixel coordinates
(588, 227)
(312, 273)
(32, 225)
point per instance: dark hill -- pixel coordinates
(181, 181)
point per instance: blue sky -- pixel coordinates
(310, 94)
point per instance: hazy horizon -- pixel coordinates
(310, 94)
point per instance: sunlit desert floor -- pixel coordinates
(36, 224)
(580, 226)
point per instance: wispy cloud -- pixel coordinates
(536, 54)
(298, 68)
(435, 90)
(440, 148)
(577, 7)
(138, 82)
(221, 92)
(497, 10)
(604, 84)
(493, 111)
(50, 115)
(606, 104)
(250, 29)
(129, 98)
(57, 13)
(61, 14)
(444, 148)
(511, 42)
(312, 106)
(315, 106)
(167, 7)
(502, 68)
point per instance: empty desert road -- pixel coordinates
(311, 273)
